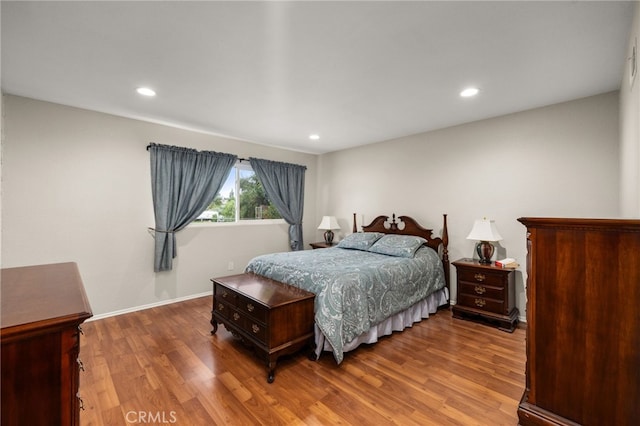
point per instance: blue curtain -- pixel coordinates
(183, 183)
(284, 185)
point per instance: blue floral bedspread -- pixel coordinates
(354, 289)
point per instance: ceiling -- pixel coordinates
(275, 72)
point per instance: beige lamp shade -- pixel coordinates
(329, 222)
(484, 230)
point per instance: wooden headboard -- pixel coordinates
(406, 225)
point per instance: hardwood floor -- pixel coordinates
(162, 366)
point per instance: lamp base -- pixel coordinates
(328, 236)
(485, 251)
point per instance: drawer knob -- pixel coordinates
(480, 302)
(220, 307)
(250, 307)
(255, 328)
(236, 316)
(224, 294)
(479, 277)
(480, 289)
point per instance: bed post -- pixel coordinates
(445, 255)
(355, 225)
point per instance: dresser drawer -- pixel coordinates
(481, 290)
(225, 294)
(484, 303)
(224, 309)
(257, 330)
(249, 326)
(245, 305)
(481, 277)
(252, 309)
(237, 319)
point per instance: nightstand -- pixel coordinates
(322, 244)
(486, 292)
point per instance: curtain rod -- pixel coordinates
(239, 159)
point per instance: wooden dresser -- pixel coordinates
(42, 309)
(486, 292)
(583, 322)
(275, 318)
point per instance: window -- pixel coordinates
(242, 197)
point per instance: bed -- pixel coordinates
(387, 277)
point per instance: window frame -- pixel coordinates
(237, 167)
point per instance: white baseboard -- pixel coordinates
(149, 306)
(521, 318)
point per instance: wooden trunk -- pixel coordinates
(583, 322)
(274, 317)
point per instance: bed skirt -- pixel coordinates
(398, 322)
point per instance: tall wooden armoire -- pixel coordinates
(583, 322)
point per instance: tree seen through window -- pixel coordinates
(253, 202)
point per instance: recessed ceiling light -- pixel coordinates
(314, 137)
(145, 91)
(469, 92)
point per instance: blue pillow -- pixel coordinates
(398, 245)
(360, 240)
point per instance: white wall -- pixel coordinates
(76, 187)
(560, 160)
(630, 130)
(1, 162)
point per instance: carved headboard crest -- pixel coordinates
(403, 225)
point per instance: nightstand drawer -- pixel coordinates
(481, 277)
(486, 304)
(481, 290)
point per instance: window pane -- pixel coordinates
(253, 202)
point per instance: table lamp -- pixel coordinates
(329, 223)
(485, 231)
